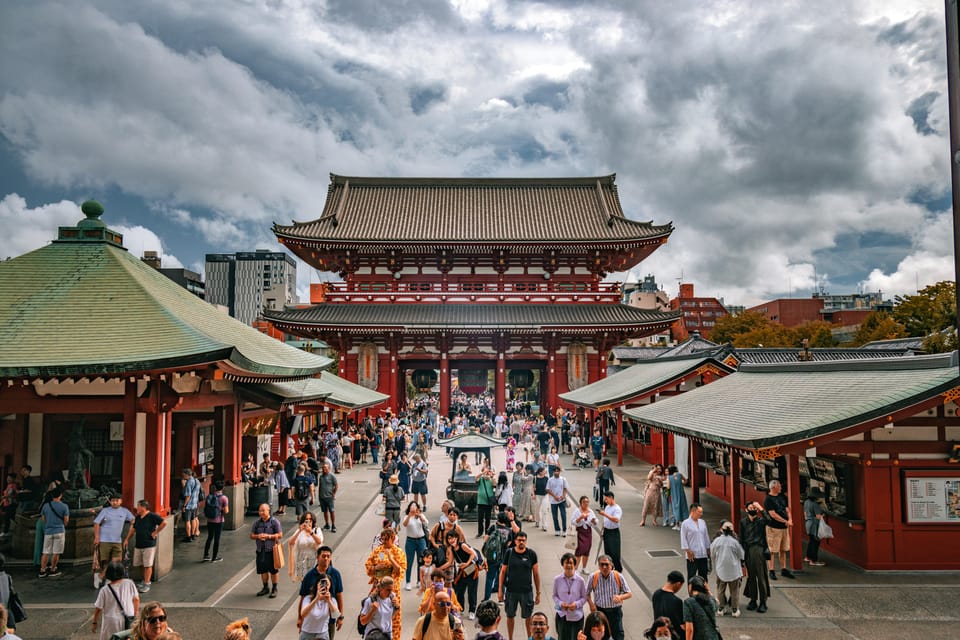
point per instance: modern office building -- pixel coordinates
(247, 282)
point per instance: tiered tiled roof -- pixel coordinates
(771, 355)
(328, 388)
(469, 316)
(464, 210)
(764, 406)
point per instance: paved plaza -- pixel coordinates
(835, 601)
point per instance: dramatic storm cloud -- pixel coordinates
(786, 141)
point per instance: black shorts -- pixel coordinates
(265, 562)
(525, 600)
(326, 505)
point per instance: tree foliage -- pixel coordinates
(753, 329)
(729, 327)
(933, 309)
(879, 325)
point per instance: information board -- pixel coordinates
(932, 499)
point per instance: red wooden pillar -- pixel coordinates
(736, 491)
(445, 384)
(394, 378)
(129, 473)
(169, 475)
(619, 437)
(795, 504)
(153, 478)
(283, 424)
(500, 383)
(696, 471)
(551, 400)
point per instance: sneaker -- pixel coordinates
(556, 534)
(217, 559)
(263, 591)
(273, 594)
(786, 573)
(54, 571)
(333, 529)
(564, 534)
(43, 573)
(186, 539)
(205, 559)
(144, 588)
(762, 608)
(720, 612)
(326, 527)
(773, 575)
(752, 606)
(472, 615)
(736, 613)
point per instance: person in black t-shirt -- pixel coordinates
(520, 564)
(666, 602)
(146, 526)
(778, 529)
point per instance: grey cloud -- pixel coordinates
(388, 15)
(548, 94)
(919, 112)
(422, 98)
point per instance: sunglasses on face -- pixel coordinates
(156, 619)
(444, 603)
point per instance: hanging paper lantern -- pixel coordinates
(424, 379)
(521, 378)
(473, 381)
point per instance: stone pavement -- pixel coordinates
(837, 601)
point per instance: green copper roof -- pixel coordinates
(637, 380)
(771, 405)
(327, 388)
(90, 308)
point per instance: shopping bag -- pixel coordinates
(824, 531)
(278, 562)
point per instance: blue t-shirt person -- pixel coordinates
(111, 521)
(54, 515)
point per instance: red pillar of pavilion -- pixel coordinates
(500, 383)
(795, 504)
(696, 471)
(736, 493)
(129, 474)
(445, 383)
(619, 437)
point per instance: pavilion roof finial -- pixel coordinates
(91, 228)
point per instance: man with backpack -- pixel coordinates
(215, 507)
(190, 497)
(520, 566)
(493, 549)
(440, 623)
(606, 591)
(376, 615)
(303, 490)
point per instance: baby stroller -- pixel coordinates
(583, 459)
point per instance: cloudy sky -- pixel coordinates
(791, 143)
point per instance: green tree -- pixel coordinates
(729, 327)
(940, 342)
(879, 325)
(933, 309)
(773, 334)
(818, 332)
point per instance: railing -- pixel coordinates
(461, 293)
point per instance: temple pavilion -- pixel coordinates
(496, 281)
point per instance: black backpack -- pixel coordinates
(492, 548)
(302, 492)
(426, 623)
(211, 506)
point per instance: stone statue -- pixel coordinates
(80, 458)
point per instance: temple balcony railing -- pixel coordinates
(468, 293)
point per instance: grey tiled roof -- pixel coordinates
(771, 355)
(897, 344)
(631, 354)
(328, 388)
(763, 406)
(637, 380)
(692, 345)
(472, 210)
(480, 316)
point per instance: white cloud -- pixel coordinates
(930, 260)
(27, 229)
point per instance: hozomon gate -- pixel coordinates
(473, 275)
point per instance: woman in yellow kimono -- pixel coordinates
(387, 559)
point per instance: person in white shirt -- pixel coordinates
(612, 514)
(415, 526)
(377, 612)
(557, 490)
(316, 611)
(695, 542)
(728, 561)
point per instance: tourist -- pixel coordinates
(404, 472)
(542, 506)
(281, 483)
(539, 626)
(55, 516)
(415, 526)
(522, 498)
(438, 623)
(393, 500)
(215, 508)
(728, 563)
(495, 545)
(310, 581)
(8, 504)
(386, 565)
(486, 497)
(108, 532)
(597, 446)
(436, 583)
(6, 631)
(380, 612)
(503, 492)
(419, 477)
(678, 510)
(303, 545)
(303, 490)
(147, 527)
(117, 600)
(467, 575)
(695, 542)
(814, 510)
(488, 619)
(661, 629)
(584, 520)
(778, 523)
(569, 596)
(558, 490)
(612, 514)
(327, 487)
(595, 627)
(267, 532)
(607, 589)
(652, 503)
(189, 503)
(425, 570)
(317, 610)
(237, 630)
(700, 610)
(553, 461)
(753, 540)
(666, 602)
(150, 624)
(523, 589)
